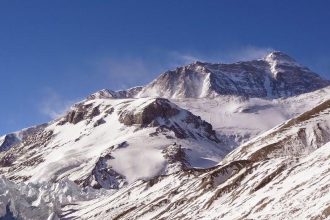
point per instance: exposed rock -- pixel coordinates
(160, 108)
(79, 113)
(99, 122)
(103, 176)
(9, 141)
(7, 160)
(110, 111)
(176, 158)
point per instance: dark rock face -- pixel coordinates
(160, 108)
(80, 112)
(26, 152)
(103, 176)
(176, 156)
(10, 140)
(99, 122)
(293, 80)
(160, 113)
(7, 160)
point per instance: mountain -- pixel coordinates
(104, 143)
(245, 96)
(237, 119)
(204, 141)
(275, 176)
(277, 75)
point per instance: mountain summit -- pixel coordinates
(280, 57)
(275, 76)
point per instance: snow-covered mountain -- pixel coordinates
(283, 174)
(110, 142)
(167, 150)
(276, 75)
(237, 119)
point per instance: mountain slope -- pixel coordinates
(288, 184)
(104, 143)
(298, 136)
(237, 120)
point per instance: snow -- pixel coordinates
(74, 149)
(298, 192)
(247, 118)
(304, 180)
(43, 200)
(138, 162)
(275, 59)
(2, 139)
(291, 181)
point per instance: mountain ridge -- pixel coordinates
(277, 75)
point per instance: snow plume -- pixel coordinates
(127, 71)
(53, 105)
(244, 53)
(248, 53)
(138, 162)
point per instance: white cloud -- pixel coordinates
(53, 105)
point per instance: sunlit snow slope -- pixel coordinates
(281, 174)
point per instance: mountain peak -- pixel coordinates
(278, 56)
(276, 75)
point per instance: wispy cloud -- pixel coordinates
(128, 71)
(125, 72)
(53, 105)
(229, 55)
(247, 53)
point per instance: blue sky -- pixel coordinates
(53, 53)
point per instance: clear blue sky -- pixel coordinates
(53, 53)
